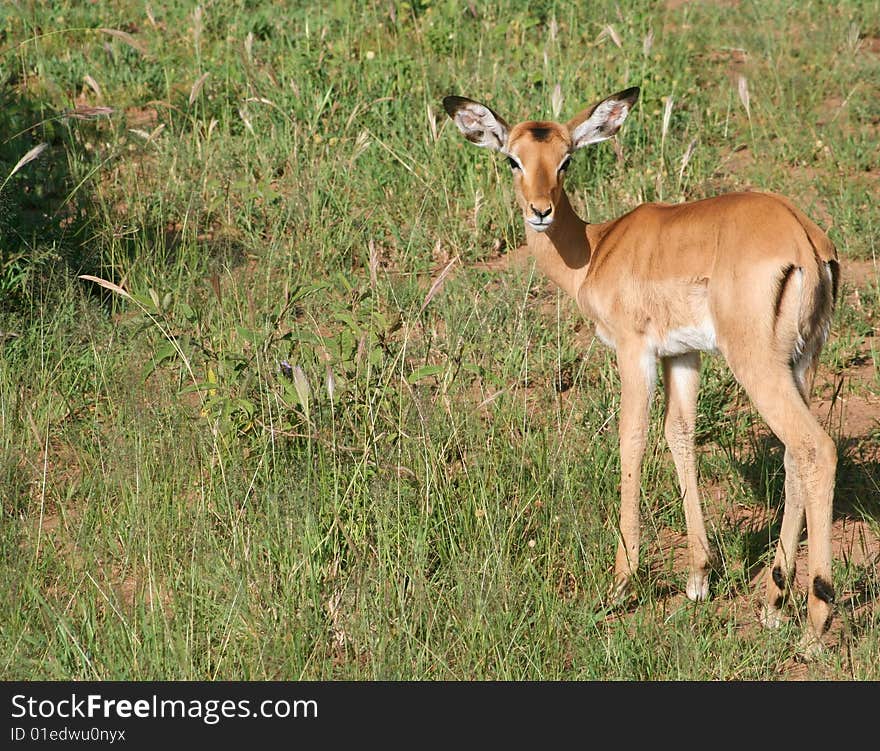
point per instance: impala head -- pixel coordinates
(539, 152)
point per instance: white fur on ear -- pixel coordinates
(479, 124)
(602, 124)
(604, 120)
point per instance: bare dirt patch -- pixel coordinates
(860, 273)
(518, 258)
(870, 45)
(732, 62)
(850, 417)
(832, 108)
(731, 173)
(141, 117)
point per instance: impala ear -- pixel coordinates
(602, 120)
(477, 122)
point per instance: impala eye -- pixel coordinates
(514, 165)
(564, 165)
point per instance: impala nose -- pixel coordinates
(541, 215)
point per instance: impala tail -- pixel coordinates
(810, 291)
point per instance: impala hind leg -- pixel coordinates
(810, 465)
(781, 573)
(681, 382)
(638, 375)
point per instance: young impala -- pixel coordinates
(746, 275)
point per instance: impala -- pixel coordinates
(746, 275)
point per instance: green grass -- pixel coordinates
(179, 502)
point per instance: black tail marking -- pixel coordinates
(780, 290)
(834, 268)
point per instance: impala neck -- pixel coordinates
(563, 251)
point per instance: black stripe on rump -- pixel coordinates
(780, 291)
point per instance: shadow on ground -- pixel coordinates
(856, 513)
(45, 209)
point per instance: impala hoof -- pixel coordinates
(771, 617)
(811, 647)
(698, 586)
(619, 591)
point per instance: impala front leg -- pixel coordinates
(681, 380)
(638, 374)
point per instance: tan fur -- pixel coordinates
(744, 274)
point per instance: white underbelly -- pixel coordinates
(673, 342)
(678, 341)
